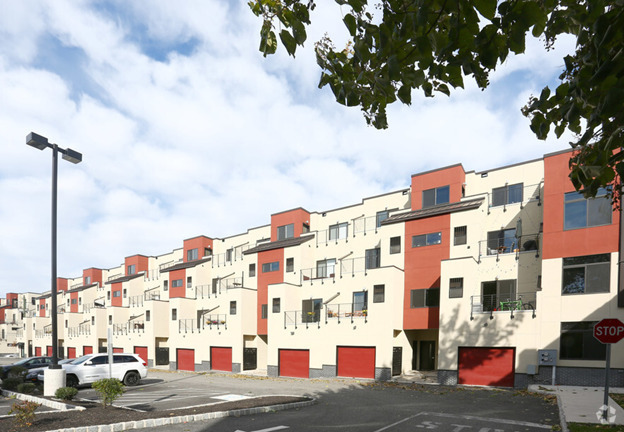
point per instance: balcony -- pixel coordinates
(511, 304)
(151, 294)
(136, 301)
(346, 311)
(129, 327)
(511, 245)
(299, 318)
(81, 329)
(208, 322)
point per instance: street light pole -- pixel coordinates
(40, 142)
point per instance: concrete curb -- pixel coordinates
(148, 423)
(51, 404)
(562, 420)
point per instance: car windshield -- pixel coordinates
(21, 362)
(80, 360)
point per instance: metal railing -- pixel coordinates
(135, 326)
(120, 329)
(169, 264)
(297, 318)
(529, 193)
(151, 295)
(135, 301)
(41, 334)
(513, 245)
(365, 224)
(203, 291)
(153, 274)
(319, 273)
(349, 311)
(510, 303)
(82, 329)
(187, 325)
(216, 320)
(230, 283)
(115, 276)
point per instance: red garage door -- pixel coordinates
(71, 353)
(37, 351)
(358, 362)
(486, 366)
(49, 351)
(118, 350)
(294, 363)
(221, 359)
(142, 352)
(185, 359)
(87, 350)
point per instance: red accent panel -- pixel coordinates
(185, 359)
(486, 366)
(2, 318)
(42, 310)
(294, 363)
(200, 243)
(178, 291)
(73, 308)
(297, 217)
(94, 273)
(358, 362)
(454, 176)
(140, 261)
(118, 350)
(87, 350)
(142, 352)
(61, 284)
(117, 301)
(221, 359)
(9, 299)
(557, 242)
(37, 351)
(71, 352)
(49, 351)
(266, 279)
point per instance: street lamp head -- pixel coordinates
(72, 156)
(37, 141)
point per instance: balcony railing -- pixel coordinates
(364, 225)
(120, 329)
(115, 276)
(82, 329)
(151, 295)
(207, 322)
(204, 291)
(299, 318)
(214, 320)
(508, 303)
(231, 283)
(169, 264)
(529, 193)
(319, 273)
(135, 326)
(513, 245)
(344, 311)
(135, 301)
(153, 274)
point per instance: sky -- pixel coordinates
(186, 129)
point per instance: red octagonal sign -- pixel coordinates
(609, 330)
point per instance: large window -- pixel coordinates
(586, 274)
(495, 294)
(252, 270)
(426, 239)
(311, 310)
(191, 254)
(431, 197)
(233, 307)
(456, 287)
(360, 301)
(373, 258)
(381, 216)
(578, 342)
(285, 231)
(460, 236)
(176, 283)
(270, 267)
(229, 254)
(580, 212)
(326, 268)
(395, 245)
(502, 241)
(131, 269)
(429, 297)
(379, 293)
(264, 312)
(276, 305)
(507, 194)
(338, 231)
(290, 265)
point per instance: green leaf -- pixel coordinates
(289, 42)
(349, 21)
(394, 71)
(487, 8)
(405, 94)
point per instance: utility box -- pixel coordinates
(547, 357)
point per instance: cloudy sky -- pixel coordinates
(187, 130)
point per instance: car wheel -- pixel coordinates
(132, 379)
(71, 381)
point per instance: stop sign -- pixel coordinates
(609, 330)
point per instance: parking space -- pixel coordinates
(461, 423)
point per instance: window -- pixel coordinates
(429, 297)
(65, 327)
(176, 283)
(215, 285)
(338, 231)
(276, 305)
(174, 314)
(189, 282)
(578, 342)
(305, 228)
(131, 269)
(290, 264)
(110, 319)
(507, 194)
(586, 274)
(285, 231)
(270, 267)
(381, 216)
(107, 295)
(148, 315)
(74, 301)
(252, 270)
(264, 311)
(125, 293)
(207, 252)
(502, 241)
(379, 293)
(228, 254)
(395, 245)
(360, 301)
(87, 280)
(326, 268)
(191, 254)
(493, 293)
(373, 258)
(165, 285)
(426, 239)
(311, 310)
(79, 301)
(232, 308)
(67, 302)
(460, 235)
(456, 287)
(580, 212)
(431, 197)
(92, 320)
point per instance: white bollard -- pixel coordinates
(53, 379)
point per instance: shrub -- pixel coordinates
(17, 372)
(26, 388)
(66, 393)
(108, 389)
(24, 413)
(11, 383)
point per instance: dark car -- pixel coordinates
(32, 374)
(27, 363)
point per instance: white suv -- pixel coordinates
(127, 368)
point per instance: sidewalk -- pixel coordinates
(580, 404)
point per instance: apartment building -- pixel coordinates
(475, 275)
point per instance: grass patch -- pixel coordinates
(586, 427)
(618, 398)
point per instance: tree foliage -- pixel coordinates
(399, 46)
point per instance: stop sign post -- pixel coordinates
(608, 331)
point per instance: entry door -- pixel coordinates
(397, 360)
(250, 358)
(427, 355)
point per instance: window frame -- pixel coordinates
(395, 248)
(430, 298)
(590, 350)
(192, 254)
(440, 195)
(177, 283)
(456, 287)
(429, 239)
(264, 312)
(380, 217)
(290, 265)
(276, 305)
(338, 231)
(379, 293)
(286, 231)
(573, 199)
(508, 193)
(591, 264)
(270, 267)
(232, 307)
(460, 238)
(371, 255)
(252, 270)
(131, 269)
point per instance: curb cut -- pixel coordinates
(51, 404)
(562, 420)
